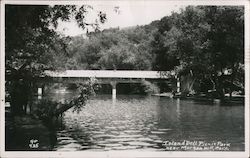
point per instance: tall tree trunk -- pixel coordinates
(19, 97)
(231, 80)
(220, 88)
(16, 99)
(230, 94)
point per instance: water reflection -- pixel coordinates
(178, 108)
(144, 122)
(113, 101)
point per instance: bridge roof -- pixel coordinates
(110, 74)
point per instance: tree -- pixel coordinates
(164, 44)
(212, 45)
(227, 45)
(205, 43)
(114, 49)
(32, 44)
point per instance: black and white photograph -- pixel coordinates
(158, 77)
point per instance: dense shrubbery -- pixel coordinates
(45, 109)
(150, 88)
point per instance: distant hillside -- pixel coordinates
(200, 41)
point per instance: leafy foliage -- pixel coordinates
(203, 43)
(46, 109)
(33, 45)
(113, 49)
(150, 88)
(31, 40)
(85, 91)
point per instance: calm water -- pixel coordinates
(145, 122)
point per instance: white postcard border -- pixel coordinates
(126, 153)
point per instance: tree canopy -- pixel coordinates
(33, 45)
(31, 40)
(204, 42)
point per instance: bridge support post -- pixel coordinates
(113, 84)
(40, 91)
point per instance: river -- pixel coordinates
(134, 122)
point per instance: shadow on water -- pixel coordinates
(26, 133)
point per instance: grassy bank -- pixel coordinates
(25, 133)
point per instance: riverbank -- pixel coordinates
(27, 133)
(166, 94)
(238, 99)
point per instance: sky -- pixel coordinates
(129, 13)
